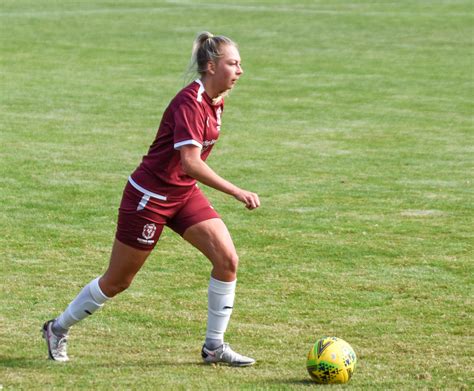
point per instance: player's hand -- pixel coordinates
(250, 199)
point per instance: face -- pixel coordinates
(227, 70)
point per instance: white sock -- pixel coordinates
(220, 303)
(89, 300)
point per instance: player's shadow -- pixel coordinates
(19, 362)
(27, 362)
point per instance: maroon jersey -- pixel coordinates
(190, 119)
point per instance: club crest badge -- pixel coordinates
(149, 231)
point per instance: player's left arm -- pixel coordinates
(195, 167)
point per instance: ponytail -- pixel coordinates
(206, 47)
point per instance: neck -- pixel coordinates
(209, 87)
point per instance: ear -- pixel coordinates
(211, 67)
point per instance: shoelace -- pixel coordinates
(61, 348)
(234, 356)
(224, 348)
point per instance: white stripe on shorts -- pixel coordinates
(143, 202)
(146, 194)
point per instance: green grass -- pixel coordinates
(354, 124)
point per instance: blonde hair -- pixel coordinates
(206, 47)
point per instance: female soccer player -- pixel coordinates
(163, 191)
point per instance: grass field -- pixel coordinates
(353, 122)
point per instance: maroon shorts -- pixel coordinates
(142, 217)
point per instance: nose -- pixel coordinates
(240, 70)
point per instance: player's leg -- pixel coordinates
(213, 239)
(138, 229)
(125, 262)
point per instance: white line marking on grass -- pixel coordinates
(217, 6)
(305, 209)
(421, 213)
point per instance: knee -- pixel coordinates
(230, 262)
(111, 288)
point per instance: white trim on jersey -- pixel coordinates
(200, 91)
(145, 192)
(187, 142)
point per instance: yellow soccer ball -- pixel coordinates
(331, 360)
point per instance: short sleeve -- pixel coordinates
(189, 125)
